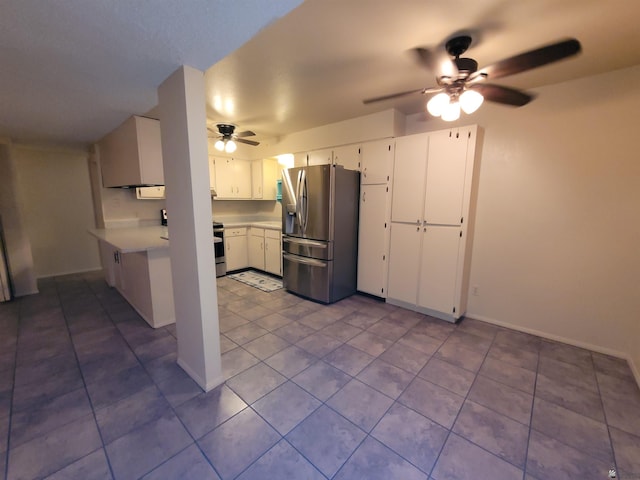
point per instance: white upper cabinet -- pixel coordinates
(320, 157)
(300, 159)
(409, 178)
(264, 174)
(446, 172)
(348, 156)
(376, 162)
(233, 178)
(132, 154)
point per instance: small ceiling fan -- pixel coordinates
(227, 138)
(460, 85)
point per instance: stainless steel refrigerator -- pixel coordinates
(320, 231)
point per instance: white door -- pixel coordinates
(446, 170)
(225, 187)
(376, 160)
(348, 156)
(371, 239)
(404, 264)
(409, 169)
(439, 268)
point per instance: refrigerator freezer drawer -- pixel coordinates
(308, 248)
(308, 277)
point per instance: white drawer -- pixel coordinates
(235, 232)
(272, 233)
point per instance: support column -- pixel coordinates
(186, 172)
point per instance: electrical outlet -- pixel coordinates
(475, 290)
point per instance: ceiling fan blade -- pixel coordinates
(248, 142)
(440, 64)
(402, 94)
(500, 94)
(247, 133)
(532, 59)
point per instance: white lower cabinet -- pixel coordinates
(273, 252)
(404, 267)
(143, 278)
(265, 250)
(256, 248)
(236, 248)
(439, 273)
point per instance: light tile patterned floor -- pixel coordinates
(354, 390)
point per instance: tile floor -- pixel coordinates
(355, 390)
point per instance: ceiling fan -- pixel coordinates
(227, 137)
(461, 85)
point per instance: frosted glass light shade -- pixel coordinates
(470, 101)
(219, 145)
(451, 112)
(437, 104)
(230, 147)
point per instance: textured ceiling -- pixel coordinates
(73, 70)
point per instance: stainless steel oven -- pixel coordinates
(218, 246)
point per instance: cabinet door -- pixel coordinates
(409, 170)
(371, 239)
(256, 251)
(439, 268)
(273, 255)
(376, 159)
(223, 171)
(320, 157)
(242, 178)
(256, 179)
(236, 252)
(264, 174)
(300, 159)
(212, 174)
(404, 252)
(132, 154)
(446, 171)
(348, 156)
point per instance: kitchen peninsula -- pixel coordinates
(136, 262)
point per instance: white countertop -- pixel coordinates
(135, 239)
(270, 225)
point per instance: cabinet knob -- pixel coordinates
(418, 221)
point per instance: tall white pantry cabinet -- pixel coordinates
(376, 167)
(430, 240)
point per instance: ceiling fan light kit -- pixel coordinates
(228, 139)
(462, 86)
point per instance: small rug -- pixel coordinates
(258, 280)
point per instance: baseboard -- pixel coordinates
(569, 341)
(198, 379)
(62, 274)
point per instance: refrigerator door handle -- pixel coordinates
(304, 204)
(304, 260)
(309, 243)
(298, 199)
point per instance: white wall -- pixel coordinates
(18, 246)
(387, 123)
(558, 222)
(55, 195)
